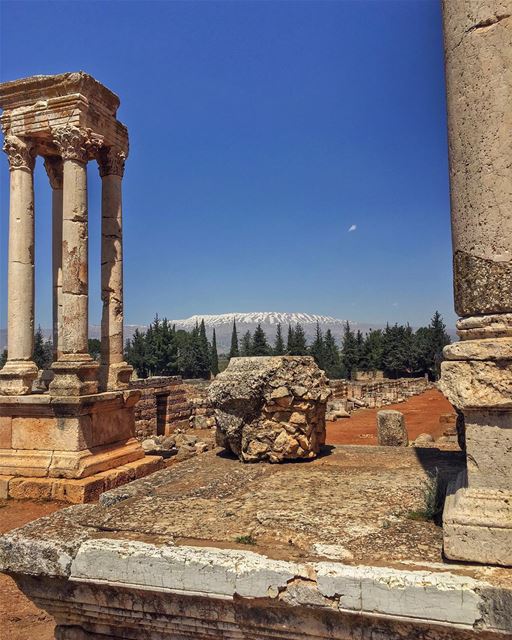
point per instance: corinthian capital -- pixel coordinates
(111, 162)
(53, 166)
(72, 143)
(20, 153)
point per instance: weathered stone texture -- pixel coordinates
(163, 406)
(391, 430)
(271, 408)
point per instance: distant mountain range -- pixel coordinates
(223, 324)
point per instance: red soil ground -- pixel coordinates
(21, 620)
(421, 413)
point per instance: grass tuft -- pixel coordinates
(433, 494)
(247, 539)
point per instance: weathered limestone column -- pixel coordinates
(477, 373)
(53, 166)
(114, 371)
(75, 371)
(19, 372)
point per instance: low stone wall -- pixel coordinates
(202, 414)
(355, 394)
(163, 406)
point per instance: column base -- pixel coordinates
(477, 524)
(74, 377)
(17, 377)
(115, 376)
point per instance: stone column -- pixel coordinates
(75, 371)
(53, 166)
(19, 372)
(477, 372)
(114, 371)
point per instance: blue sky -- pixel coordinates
(261, 132)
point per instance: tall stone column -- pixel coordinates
(19, 372)
(53, 166)
(75, 371)
(114, 371)
(477, 372)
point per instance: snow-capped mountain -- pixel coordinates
(223, 324)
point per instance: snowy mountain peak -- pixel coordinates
(257, 317)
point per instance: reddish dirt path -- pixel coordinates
(19, 618)
(421, 416)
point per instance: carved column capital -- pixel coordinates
(20, 153)
(72, 143)
(111, 161)
(53, 166)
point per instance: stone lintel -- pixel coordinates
(35, 106)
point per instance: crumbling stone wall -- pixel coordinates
(163, 406)
(202, 414)
(354, 394)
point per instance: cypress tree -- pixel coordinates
(279, 343)
(234, 351)
(259, 343)
(214, 357)
(136, 353)
(3, 358)
(203, 352)
(290, 342)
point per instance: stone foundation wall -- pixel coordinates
(163, 406)
(354, 394)
(201, 409)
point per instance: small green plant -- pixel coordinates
(247, 539)
(433, 493)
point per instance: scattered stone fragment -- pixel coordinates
(391, 429)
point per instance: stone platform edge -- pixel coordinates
(77, 491)
(437, 596)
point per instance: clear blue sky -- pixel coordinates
(260, 132)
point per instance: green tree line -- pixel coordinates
(397, 350)
(164, 351)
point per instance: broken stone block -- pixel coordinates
(271, 408)
(391, 429)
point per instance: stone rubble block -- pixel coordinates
(391, 429)
(271, 408)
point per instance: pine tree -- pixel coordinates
(298, 344)
(317, 348)
(3, 358)
(259, 343)
(234, 351)
(440, 339)
(349, 352)
(279, 343)
(214, 357)
(43, 351)
(246, 344)
(333, 366)
(136, 353)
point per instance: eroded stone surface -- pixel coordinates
(271, 408)
(391, 429)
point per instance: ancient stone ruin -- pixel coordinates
(477, 372)
(271, 408)
(78, 439)
(211, 548)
